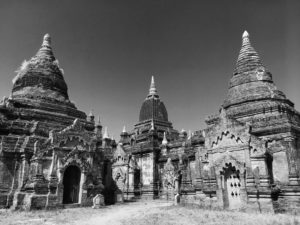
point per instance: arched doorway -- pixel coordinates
(137, 182)
(71, 184)
(231, 187)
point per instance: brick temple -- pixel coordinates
(246, 158)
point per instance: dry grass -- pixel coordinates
(177, 215)
(142, 213)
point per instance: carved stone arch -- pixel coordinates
(63, 168)
(221, 162)
(76, 161)
(71, 182)
(269, 164)
(230, 174)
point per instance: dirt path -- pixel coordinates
(116, 215)
(108, 215)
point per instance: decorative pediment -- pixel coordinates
(226, 138)
(119, 155)
(227, 132)
(66, 137)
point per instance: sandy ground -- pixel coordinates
(143, 213)
(123, 213)
(110, 215)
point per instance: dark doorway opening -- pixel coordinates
(71, 184)
(137, 182)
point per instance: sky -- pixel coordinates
(110, 49)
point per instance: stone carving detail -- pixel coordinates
(81, 158)
(169, 176)
(76, 130)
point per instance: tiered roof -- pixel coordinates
(41, 77)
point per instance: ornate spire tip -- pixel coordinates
(98, 121)
(152, 90)
(46, 40)
(105, 135)
(245, 34)
(165, 141)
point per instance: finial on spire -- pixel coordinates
(248, 59)
(98, 121)
(165, 141)
(124, 129)
(105, 135)
(46, 41)
(245, 34)
(246, 40)
(46, 50)
(152, 90)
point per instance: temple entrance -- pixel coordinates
(231, 187)
(137, 182)
(71, 184)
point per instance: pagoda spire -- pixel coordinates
(124, 129)
(98, 121)
(46, 49)
(248, 59)
(165, 141)
(152, 90)
(105, 135)
(46, 41)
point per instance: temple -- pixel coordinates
(245, 158)
(49, 150)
